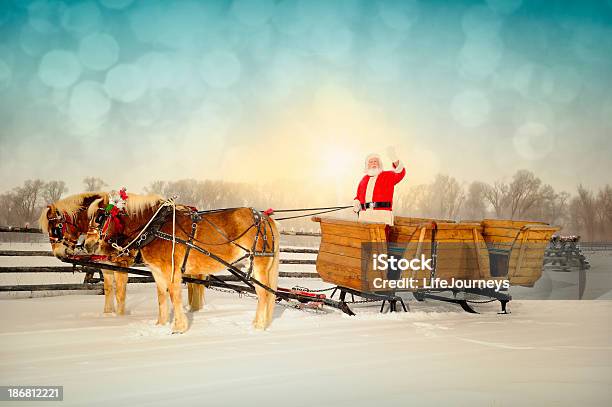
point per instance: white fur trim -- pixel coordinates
(369, 195)
(399, 168)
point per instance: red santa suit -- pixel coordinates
(379, 189)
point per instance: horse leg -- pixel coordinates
(162, 296)
(109, 302)
(190, 297)
(273, 284)
(260, 315)
(200, 292)
(180, 319)
(195, 293)
(121, 280)
(265, 271)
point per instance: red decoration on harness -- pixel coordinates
(68, 221)
(93, 258)
(114, 218)
(269, 212)
(123, 194)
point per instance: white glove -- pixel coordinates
(392, 154)
(356, 206)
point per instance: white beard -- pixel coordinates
(372, 172)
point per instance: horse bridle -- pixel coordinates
(99, 223)
(56, 232)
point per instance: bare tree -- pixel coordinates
(475, 205)
(7, 209)
(27, 199)
(523, 192)
(497, 196)
(93, 184)
(584, 209)
(413, 201)
(156, 187)
(186, 190)
(559, 209)
(604, 212)
(445, 196)
(552, 207)
(54, 190)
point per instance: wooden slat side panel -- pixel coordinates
(342, 241)
(347, 231)
(342, 222)
(339, 260)
(527, 256)
(350, 262)
(338, 275)
(404, 221)
(504, 234)
(459, 226)
(510, 223)
(341, 250)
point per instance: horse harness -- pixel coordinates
(153, 231)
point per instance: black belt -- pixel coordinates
(375, 205)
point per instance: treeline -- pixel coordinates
(22, 205)
(587, 213)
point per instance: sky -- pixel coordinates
(300, 91)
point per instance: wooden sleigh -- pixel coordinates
(487, 251)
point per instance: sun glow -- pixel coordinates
(322, 144)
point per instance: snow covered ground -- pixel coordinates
(543, 353)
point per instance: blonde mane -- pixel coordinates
(43, 221)
(93, 207)
(136, 204)
(72, 204)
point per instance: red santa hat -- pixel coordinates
(369, 157)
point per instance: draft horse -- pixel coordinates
(232, 235)
(66, 222)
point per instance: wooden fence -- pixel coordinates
(90, 282)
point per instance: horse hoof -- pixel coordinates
(179, 328)
(259, 325)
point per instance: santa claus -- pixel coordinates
(374, 200)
